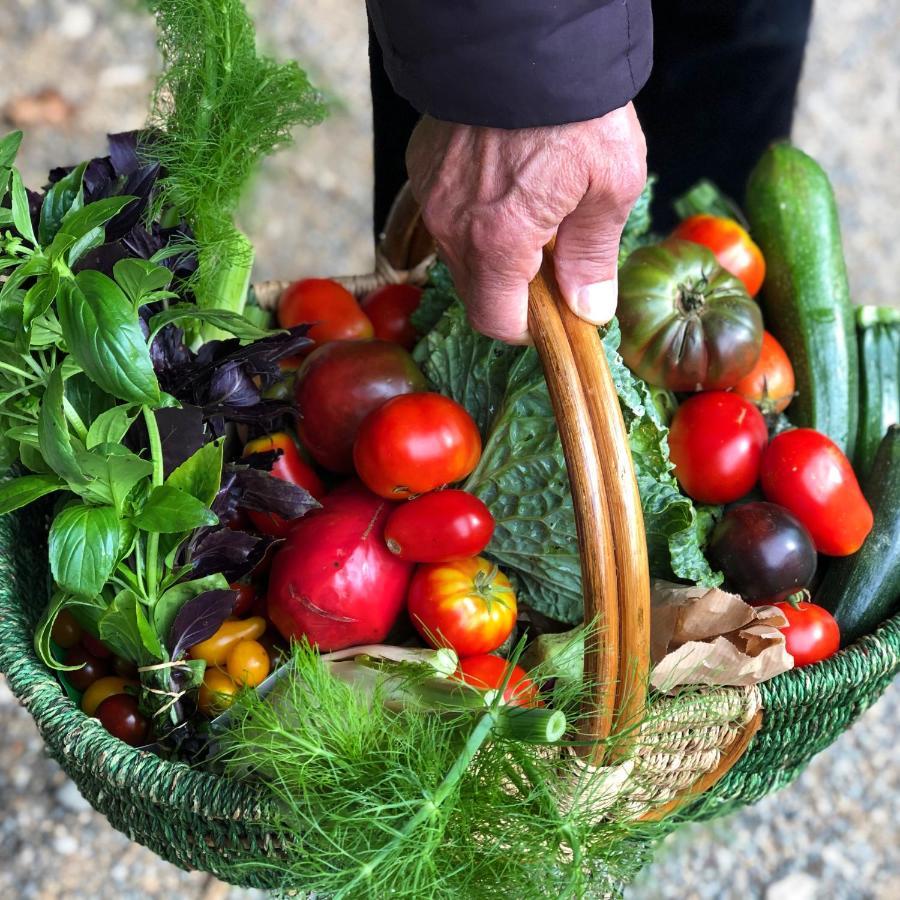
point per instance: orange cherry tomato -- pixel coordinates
(488, 672)
(468, 605)
(216, 693)
(415, 443)
(108, 686)
(248, 663)
(389, 308)
(214, 650)
(66, 631)
(770, 383)
(732, 246)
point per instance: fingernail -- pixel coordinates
(597, 302)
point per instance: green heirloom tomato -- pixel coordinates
(687, 324)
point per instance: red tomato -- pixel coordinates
(246, 595)
(414, 444)
(716, 441)
(439, 527)
(95, 646)
(488, 672)
(120, 716)
(389, 309)
(468, 605)
(807, 473)
(339, 385)
(811, 634)
(770, 383)
(92, 668)
(330, 306)
(288, 467)
(66, 631)
(732, 246)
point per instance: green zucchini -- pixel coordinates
(805, 297)
(863, 590)
(878, 331)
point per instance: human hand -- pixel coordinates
(492, 198)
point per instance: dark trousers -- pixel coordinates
(723, 87)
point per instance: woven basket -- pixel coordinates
(706, 758)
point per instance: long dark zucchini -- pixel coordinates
(805, 297)
(878, 331)
(863, 590)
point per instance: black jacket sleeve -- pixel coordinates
(515, 63)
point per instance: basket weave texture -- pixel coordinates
(200, 821)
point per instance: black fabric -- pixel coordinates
(515, 63)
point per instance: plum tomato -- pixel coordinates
(731, 245)
(467, 605)
(217, 692)
(91, 668)
(214, 650)
(326, 305)
(770, 383)
(414, 444)
(66, 631)
(287, 467)
(389, 309)
(120, 716)
(806, 472)
(488, 672)
(716, 441)
(811, 633)
(108, 686)
(439, 527)
(339, 385)
(248, 663)
(763, 550)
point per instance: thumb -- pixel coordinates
(586, 259)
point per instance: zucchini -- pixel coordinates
(878, 331)
(805, 297)
(863, 590)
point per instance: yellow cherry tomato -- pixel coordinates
(217, 692)
(102, 688)
(215, 649)
(248, 663)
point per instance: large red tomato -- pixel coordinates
(770, 383)
(339, 385)
(468, 605)
(389, 309)
(811, 634)
(716, 442)
(334, 581)
(414, 444)
(806, 472)
(731, 245)
(488, 673)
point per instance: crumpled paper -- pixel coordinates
(707, 636)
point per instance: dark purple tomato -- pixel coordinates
(91, 669)
(120, 716)
(764, 552)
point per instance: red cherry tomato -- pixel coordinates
(326, 305)
(95, 646)
(439, 527)
(770, 383)
(66, 631)
(807, 473)
(488, 672)
(92, 668)
(414, 444)
(389, 309)
(731, 245)
(246, 595)
(468, 605)
(811, 634)
(120, 716)
(288, 467)
(716, 441)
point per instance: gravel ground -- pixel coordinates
(83, 68)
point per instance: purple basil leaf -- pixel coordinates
(139, 184)
(123, 151)
(265, 416)
(199, 619)
(262, 492)
(233, 553)
(230, 385)
(182, 434)
(103, 258)
(99, 180)
(170, 356)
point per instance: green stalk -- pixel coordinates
(531, 725)
(156, 456)
(225, 269)
(74, 420)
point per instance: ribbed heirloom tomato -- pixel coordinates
(468, 605)
(414, 444)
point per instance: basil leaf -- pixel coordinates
(62, 197)
(83, 547)
(42, 645)
(232, 322)
(9, 147)
(79, 222)
(93, 238)
(200, 475)
(169, 510)
(125, 630)
(111, 426)
(175, 598)
(53, 432)
(20, 211)
(115, 470)
(21, 491)
(59, 245)
(86, 398)
(36, 265)
(140, 277)
(103, 334)
(32, 460)
(38, 297)
(24, 434)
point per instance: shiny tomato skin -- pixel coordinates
(439, 527)
(95, 646)
(732, 246)
(770, 383)
(488, 672)
(811, 634)
(416, 443)
(468, 605)
(92, 668)
(108, 686)
(246, 596)
(326, 305)
(389, 309)
(807, 473)
(339, 385)
(120, 716)
(66, 631)
(716, 441)
(287, 467)
(248, 663)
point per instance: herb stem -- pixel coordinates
(74, 420)
(16, 371)
(153, 537)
